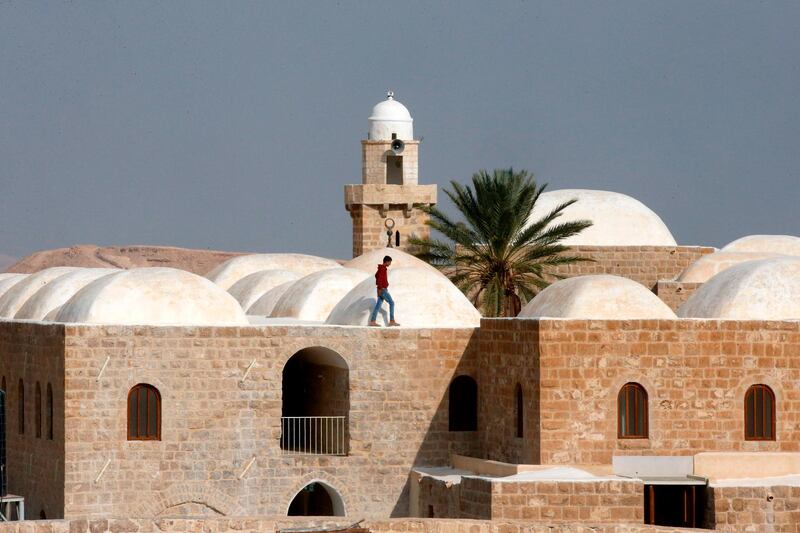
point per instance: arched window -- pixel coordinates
(317, 499)
(519, 411)
(38, 410)
(463, 400)
(144, 413)
(21, 407)
(397, 238)
(759, 413)
(632, 412)
(49, 412)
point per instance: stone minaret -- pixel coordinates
(389, 186)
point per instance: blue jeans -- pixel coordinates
(384, 295)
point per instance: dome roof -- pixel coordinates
(16, 296)
(314, 296)
(9, 280)
(58, 291)
(264, 305)
(777, 244)
(710, 265)
(766, 289)
(250, 288)
(618, 219)
(601, 297)
(153, 296)
(232, 270)
(423, 299)
(388, 117)
(369, 261)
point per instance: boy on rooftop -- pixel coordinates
(382, 283)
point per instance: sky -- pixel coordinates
(235, 125)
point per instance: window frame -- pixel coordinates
(135, 390)
(631, 412)
(773, 416)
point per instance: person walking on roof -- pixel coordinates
(382, 282)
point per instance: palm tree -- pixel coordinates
(495, 256)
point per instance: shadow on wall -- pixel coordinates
(439, 441)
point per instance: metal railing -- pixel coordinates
(316, 435)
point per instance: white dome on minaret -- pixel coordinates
(390, 117)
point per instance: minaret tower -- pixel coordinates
(389, 190)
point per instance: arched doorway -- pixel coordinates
(316, 403)
(317, 499)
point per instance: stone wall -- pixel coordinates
(34, 354)
(736, 509)
(373, 161)
(369, 232)
(584, 502)
(645, 264)
(675, 293)
(214, 422)
(695, 372)
(262, 524)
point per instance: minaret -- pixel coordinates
(389, 191)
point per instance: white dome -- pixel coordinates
(57, 292)
(388, 117)
(264, 305)
(250, 288)
(423, 299)
(369, 261)
(16, 296)
(153, 296)
(617, 219)
(601, 297)
(314, 296)
(232, 270)
(710, 265)
(776, 244)
(767, 289)
(9, 280)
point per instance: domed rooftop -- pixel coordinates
(264, 305)
(232, 270)
(58, 291)
(153, 296)
(388, 117)
(314, 296)
(369, 261)
(9, 280)
(710, 265)
(250, 288)
(16, 296)
(767, 289)
(423, 299)
(618, 219)
(776, 244)
(601, 297)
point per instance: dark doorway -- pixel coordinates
(316, 403)
(674, 505)
(315, 500)
(3, 469)
(463, 404)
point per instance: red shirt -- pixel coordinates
(382, 277)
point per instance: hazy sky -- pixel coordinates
(235, 125)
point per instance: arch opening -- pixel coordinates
(632, 415)
(463, 404)
(759, 413)
(315, 403)
(317, 499)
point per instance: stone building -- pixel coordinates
(615, 398)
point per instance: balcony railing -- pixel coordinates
(316, 435)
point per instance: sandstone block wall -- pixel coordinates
(369, 232)
(34, 353)
(617, 501)
(645, 264)
(373, 161)
(214, 423)
(736, 509)
(695, 372)
(675, 293)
